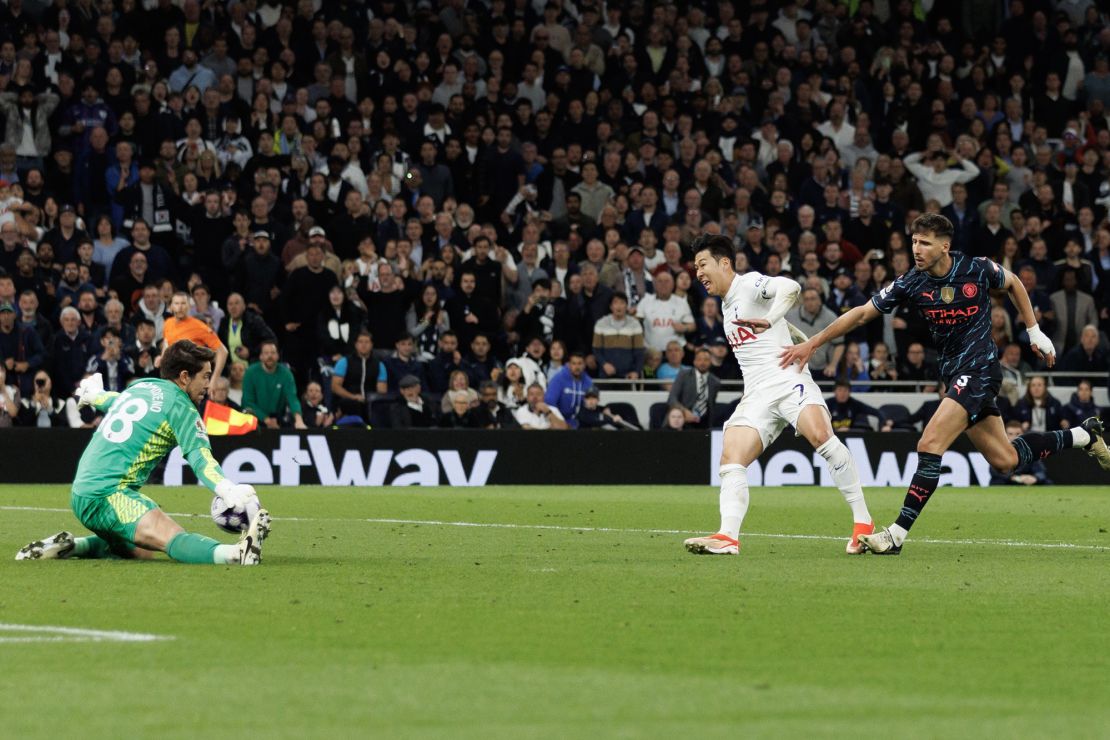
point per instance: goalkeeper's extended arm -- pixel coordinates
(207, 470)
(104, 401)
(90, 392)
(210, 473)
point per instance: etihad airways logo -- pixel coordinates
(284, 466)
(949, 316)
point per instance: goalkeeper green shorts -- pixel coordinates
(112, 517)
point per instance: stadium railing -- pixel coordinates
(642, 394)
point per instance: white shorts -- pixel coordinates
(770, 407)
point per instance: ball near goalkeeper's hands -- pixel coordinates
(234, 505)
(235, 494)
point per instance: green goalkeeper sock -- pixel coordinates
(192, 548)
(92, 548)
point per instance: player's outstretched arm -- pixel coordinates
(198, 452)
(857, 317)
(90, 392)
(192, 437)
(1038, 340)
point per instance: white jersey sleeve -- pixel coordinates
(750, 297)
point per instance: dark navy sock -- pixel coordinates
(1039, 445)
(922, 485)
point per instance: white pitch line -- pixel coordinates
(44, 633)
(624, 530)
(31, 508)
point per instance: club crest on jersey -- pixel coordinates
(970, 290)
(948, 293)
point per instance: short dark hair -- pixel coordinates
(185, 356)
(719, 246)
(933, 223)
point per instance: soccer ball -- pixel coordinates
(233, 519)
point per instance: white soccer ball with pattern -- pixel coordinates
(233, 519)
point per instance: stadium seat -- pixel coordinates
(865, 424)
(657, 415)
(625, 411)
(379, 413)
(898, 414)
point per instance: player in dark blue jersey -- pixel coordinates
(952, 292)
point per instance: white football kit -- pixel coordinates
(773, 396)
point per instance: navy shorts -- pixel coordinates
(976, 391)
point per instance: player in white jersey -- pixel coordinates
(753, 308)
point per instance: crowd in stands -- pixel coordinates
(460, 213)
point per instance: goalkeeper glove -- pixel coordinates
(235, 494)
(88, 389)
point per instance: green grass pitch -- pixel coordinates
(583, 618)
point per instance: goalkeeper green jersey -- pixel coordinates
(140, 427)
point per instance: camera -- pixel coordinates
(40, 382)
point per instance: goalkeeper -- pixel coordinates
(141, 426)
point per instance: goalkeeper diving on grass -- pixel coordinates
(140, 427)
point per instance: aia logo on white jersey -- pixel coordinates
(741, 335)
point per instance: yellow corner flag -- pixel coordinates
(222, 420)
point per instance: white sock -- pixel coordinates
(1080, 437)
(897, 534)
(734, 498)
(225, 554)
(842, 468)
